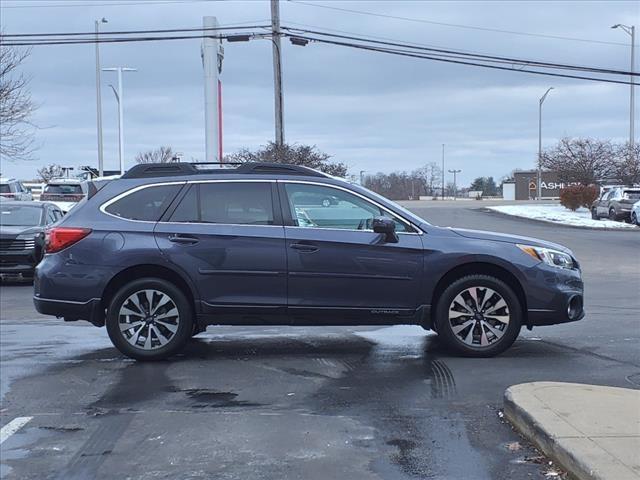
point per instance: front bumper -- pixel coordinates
(554, 295)
(22, 262)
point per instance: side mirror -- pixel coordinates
(387, 227)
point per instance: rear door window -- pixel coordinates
(147, 204)
(231, 203)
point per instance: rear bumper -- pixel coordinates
(89, 310)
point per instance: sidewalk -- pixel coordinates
(592, 432)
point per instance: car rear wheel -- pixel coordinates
(478, 316)
(612, 214)
(149, 319)
(634, 219)
(594, 214)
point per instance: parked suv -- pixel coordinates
(169, 249)
(615, 203)
(65, 192)
(12, 189)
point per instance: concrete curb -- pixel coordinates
(538, 422)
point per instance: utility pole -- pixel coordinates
(539, 182)
(277, 70)
(99, 100)
(631, 30)
(443, 171)
(362, 177)
(120, 100)
(455, 188)
(212, 55)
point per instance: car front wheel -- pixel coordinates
(634, 219)
(149, 319)
(612, 214)
(478, 316)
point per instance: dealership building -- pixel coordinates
(524, 185)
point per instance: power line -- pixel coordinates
(470, 27)
(235, 26)
(459, 62)
(406, 50)
(483, 57)
(73, 4)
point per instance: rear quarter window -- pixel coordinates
(147, 204)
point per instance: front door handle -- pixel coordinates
(304, 247)
(183, 239)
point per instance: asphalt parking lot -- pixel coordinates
(308, 403)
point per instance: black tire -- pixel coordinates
(594, 214)
(509, 333)
(178, 338)
(634, 219)
(612, 214)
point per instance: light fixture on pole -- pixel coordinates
(631, 31)
(120, 100)
(455, 183)
(539, 181)
(99, 99)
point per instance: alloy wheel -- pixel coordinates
(148, 319)
(479, 316)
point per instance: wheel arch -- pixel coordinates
(480, 268)
(147, 270)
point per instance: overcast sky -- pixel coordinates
(372, 111)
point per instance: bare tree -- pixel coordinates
(159, 155)
(627, 164)
(304, 155)
(432, 177)
(583, 160)
(50, 171)
(16, 106)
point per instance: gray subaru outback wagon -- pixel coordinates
(168, 249)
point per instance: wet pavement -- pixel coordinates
(307, 402)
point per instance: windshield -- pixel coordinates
(63, 189)
(22, 215)
(405, 213)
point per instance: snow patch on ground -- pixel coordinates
(559, 214)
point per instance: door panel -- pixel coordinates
(230, 264)
(335, 260)
(228, 238)
(352, 269)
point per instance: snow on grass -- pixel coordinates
(559, 214)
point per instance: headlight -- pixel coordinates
(27, 236)
(555, 258)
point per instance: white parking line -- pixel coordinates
(12, 427)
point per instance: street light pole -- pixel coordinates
(631, 30)
(120, 99)
(455, 183)
(443, 171)
(99, 100)
(539, 182)
(277, 71)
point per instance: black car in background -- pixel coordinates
(22, 226)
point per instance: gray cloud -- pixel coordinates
(374, 112)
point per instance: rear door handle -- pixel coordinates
(304, 247)
(183, 239)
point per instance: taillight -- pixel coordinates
(58, 238)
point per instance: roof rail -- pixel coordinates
(149, 170)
